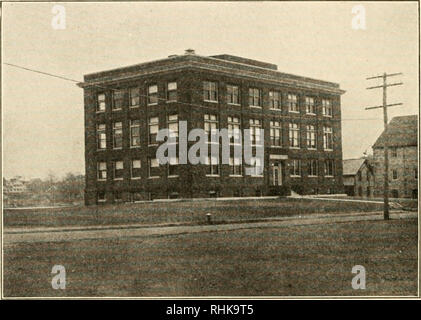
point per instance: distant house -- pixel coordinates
(403, 158)
(14, 186)
(358, 177)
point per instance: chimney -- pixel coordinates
(189, 52)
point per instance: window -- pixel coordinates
(327, 138)
(274, 100)
(135, 169)
(256, 169)
(394, 152)
(100, 105)
(117, 135)
(254, 97)
(296, 168)
(234, 130)
(395, 174)
(152, 94)
(275, 133)
(255, 127)
(171, 91)
(233, 94)
(118, 99)
(102, 171)
(210, 124)
(368, 192)
(312, 168)
(294, 135)
(134, 97)
(395, 193)
(101, 196)
(416, 173)
(153, 167)
(213, 167)
(311, 137)
(173, 167)
(172, 121)
(136, 196)
(368, 175)
(292, 103)
(235, 166)
(210, 91)
(118, 197)
(329, 168)
(327, 107)
(310, 109)
(118, 169)
(153, 129)
(134, 133)
(101, 137)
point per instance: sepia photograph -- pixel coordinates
(210, 150)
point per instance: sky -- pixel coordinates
(42, 117)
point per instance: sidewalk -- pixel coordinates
(16, 235)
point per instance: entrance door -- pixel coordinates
(277, 174)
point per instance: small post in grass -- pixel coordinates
(209, 218)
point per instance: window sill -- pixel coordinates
(118, 179)
(211, 101)
(119, 109)
(134, 147)
(101, 111)
(256, 175)
(310, 114)
(327, 116)
(173, 176)
(311, 148)
(256, 107)
(102, 201)
(311, 176)
(153, 104)
(275, 109)
(119, 148)
(134, 106)
(294, 148)
(153, 177)
(105, 149)
(328, 149)
(276, 147)
(102, 180)
(328, 176)
(135, 178)
(234, 104)
(236, 175)
(170, 101)
(295, 176)
(290, 111)
(212, 175)
(152, 144)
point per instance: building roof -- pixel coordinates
(351, 166)
(401, 132)
(224, 64)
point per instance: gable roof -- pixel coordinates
(401, 132)
(351, 166)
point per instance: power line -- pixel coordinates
(384, 86)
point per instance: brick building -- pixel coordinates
(403, 158)
(125, 107)
(359, 177)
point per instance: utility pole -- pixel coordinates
(384, 76)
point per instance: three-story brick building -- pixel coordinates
(125, 108)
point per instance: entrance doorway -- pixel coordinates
(277, 174)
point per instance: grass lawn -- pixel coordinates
(175, 212)
(300, 260)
